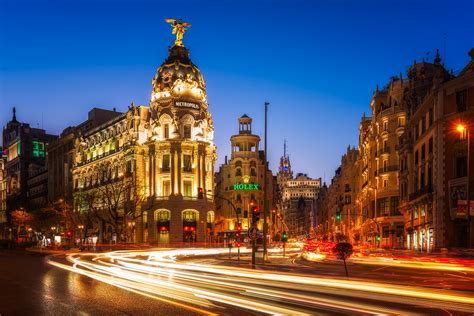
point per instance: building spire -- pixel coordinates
(14, 114)
(284, 148)
(437, 60)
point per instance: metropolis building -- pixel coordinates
(163, 153)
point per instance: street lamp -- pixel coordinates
(464, 135)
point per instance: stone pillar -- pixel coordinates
(152, 237)
(179, 170)
(176, 225)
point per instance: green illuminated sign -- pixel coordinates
(247, 186)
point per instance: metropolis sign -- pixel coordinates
(247, 186)
(183, 104)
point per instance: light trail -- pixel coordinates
(207, 289)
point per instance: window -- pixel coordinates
(385, 126)
(430, 117)
(187, 131)
(187, 163)
(189, 216)
(166, 131)
(461, 100)
(166, 187)
(423, 125)
(38, 149)
(430, 146)
(385, 232)
(187, 188)
(385, 165)
(384, 207)
(165, 166)
(238, 172)
(401, 121)
(416, 157)
(253, 172)
(385, 183)
(423, 152)
(422, 179)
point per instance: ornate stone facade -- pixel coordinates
(163, 154)
(241, 181)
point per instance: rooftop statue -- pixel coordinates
(179, 27)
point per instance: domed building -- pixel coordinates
(181, 147)
(156, 162)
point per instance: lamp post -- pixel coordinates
(464, 134)
(265, 192)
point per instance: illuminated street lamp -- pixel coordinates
(464, 135)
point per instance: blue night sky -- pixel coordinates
(317, 63)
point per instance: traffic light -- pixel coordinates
(378, 237)
(237, 243)
(284, 236)
(256, 214)
(200, 193)
(69, 234)
(338, 216)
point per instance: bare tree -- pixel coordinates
(116, 198)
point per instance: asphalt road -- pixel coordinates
(29, 286)
(136, 283)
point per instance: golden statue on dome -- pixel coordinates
(179, 27)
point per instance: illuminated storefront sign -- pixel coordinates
(182, 104)
(247, 186)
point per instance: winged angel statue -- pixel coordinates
(179, 27)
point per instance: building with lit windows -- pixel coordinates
(379, 146)
(162, 154)
(3, 195)
(240, 182)
(434, 161)
(26, 150)
(296, 199)
(61, 154)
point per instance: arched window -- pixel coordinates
(238, 172)
(187, 131)
(190, 216)
(210, 217)
(162, 219)
(253, 172)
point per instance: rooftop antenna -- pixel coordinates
(284, 148)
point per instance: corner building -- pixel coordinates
(167, 152)
(181, 152)
(241, 181)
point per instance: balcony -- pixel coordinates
(388, 169)
(426, 190)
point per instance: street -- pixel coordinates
(29, 286)
(203, 281)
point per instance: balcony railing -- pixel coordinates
(388, 169)
(426, 190)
